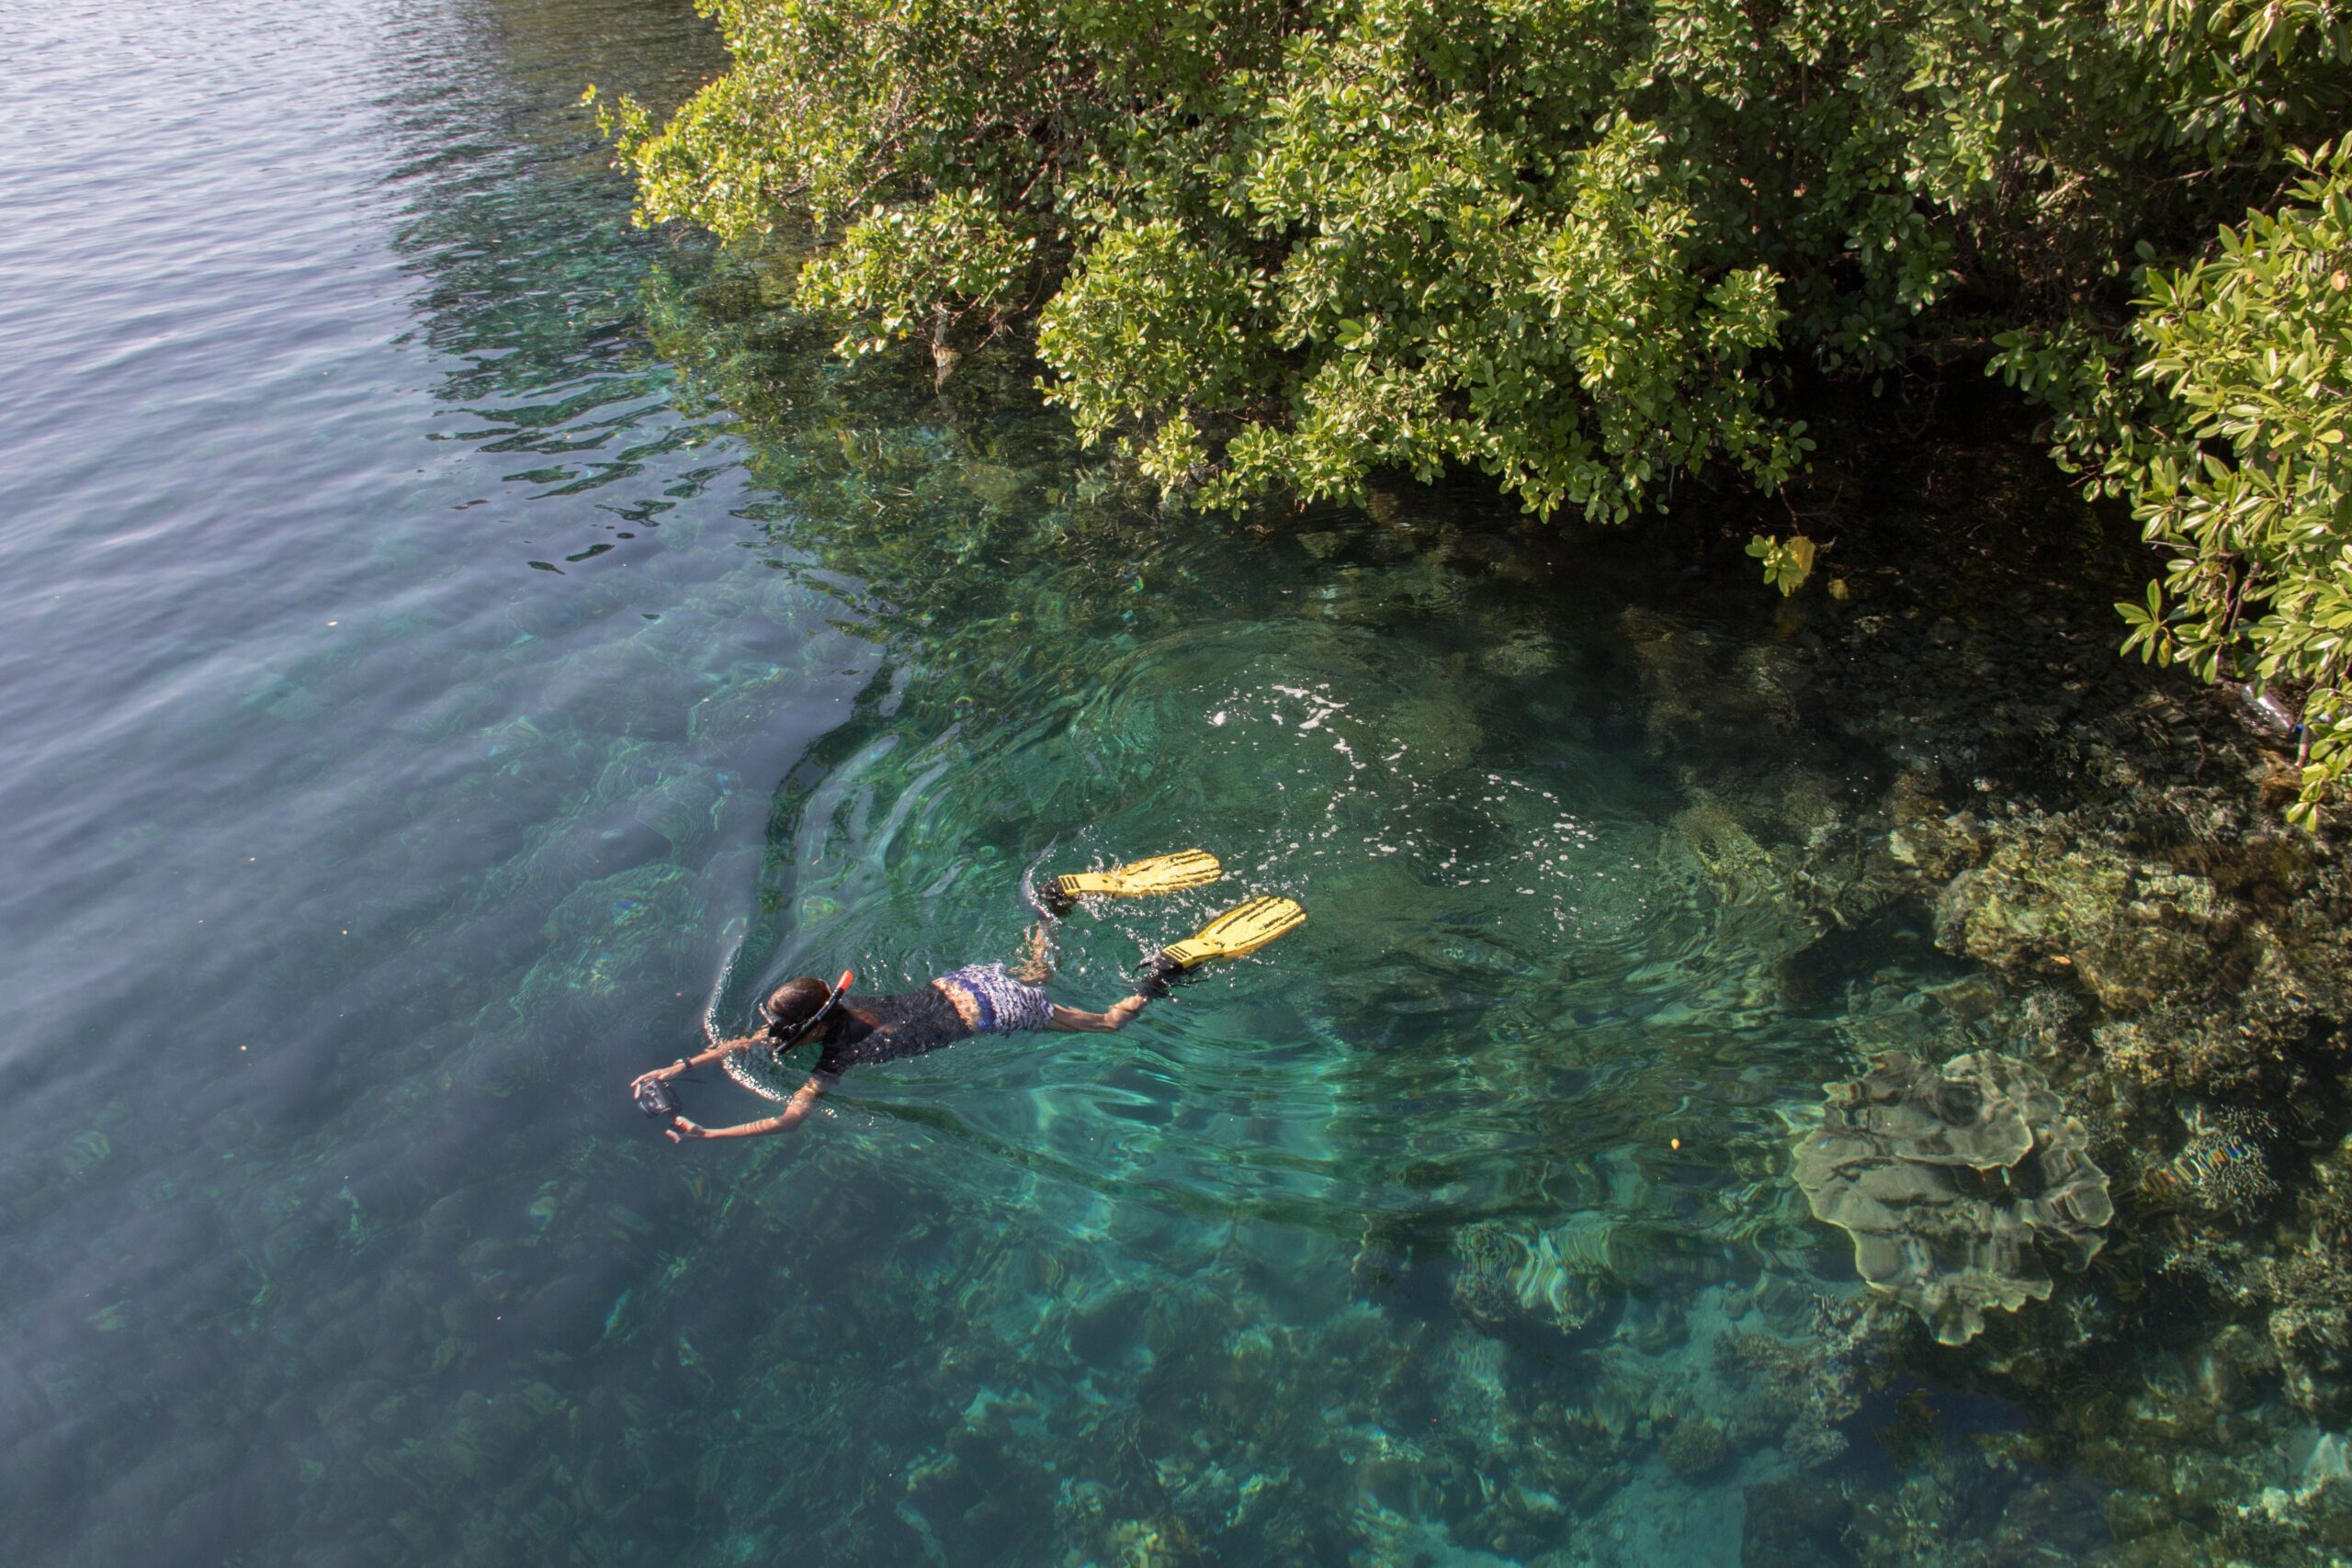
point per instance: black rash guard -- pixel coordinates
(885, 1029)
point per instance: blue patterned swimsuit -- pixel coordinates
(1007, 1006)
(914, 1023)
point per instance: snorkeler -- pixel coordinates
(980, 998)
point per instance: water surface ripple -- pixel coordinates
(452, 658)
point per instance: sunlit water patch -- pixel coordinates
(1509, 930)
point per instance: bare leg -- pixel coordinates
(1035, 964)
(1110, 1020)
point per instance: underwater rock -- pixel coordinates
(1552, 1278)
(1708, 694)
(2268, 1032)
(1695, 1446)
(1716, 849)
(1147, 1543)
(1930, 1019)
(682, 810)
(993, 484)
(1949, 1179)
(1809, 1386)
(1939, 847)
(85, 1150)
(1521, 655)
(2305, 1282)
(636, 913)
(1436, 726)
(1727, 851)
(1793, 1524)
(2134, 932)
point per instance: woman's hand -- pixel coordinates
(659, 1075)
(681, 1129)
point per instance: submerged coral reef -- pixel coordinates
(1951, 1181)
(2099, 858)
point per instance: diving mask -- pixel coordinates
(781, 1043)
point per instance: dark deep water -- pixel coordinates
(428, 704)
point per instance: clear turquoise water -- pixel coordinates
(455, 649)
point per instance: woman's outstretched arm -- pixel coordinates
(795, 1111)
(685, 1065)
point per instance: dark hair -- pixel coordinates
(790, 1006)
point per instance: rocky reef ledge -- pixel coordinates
(2100, 852)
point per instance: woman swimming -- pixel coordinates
(980, 998)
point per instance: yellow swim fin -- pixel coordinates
(1245, 928)
(1160, 874)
